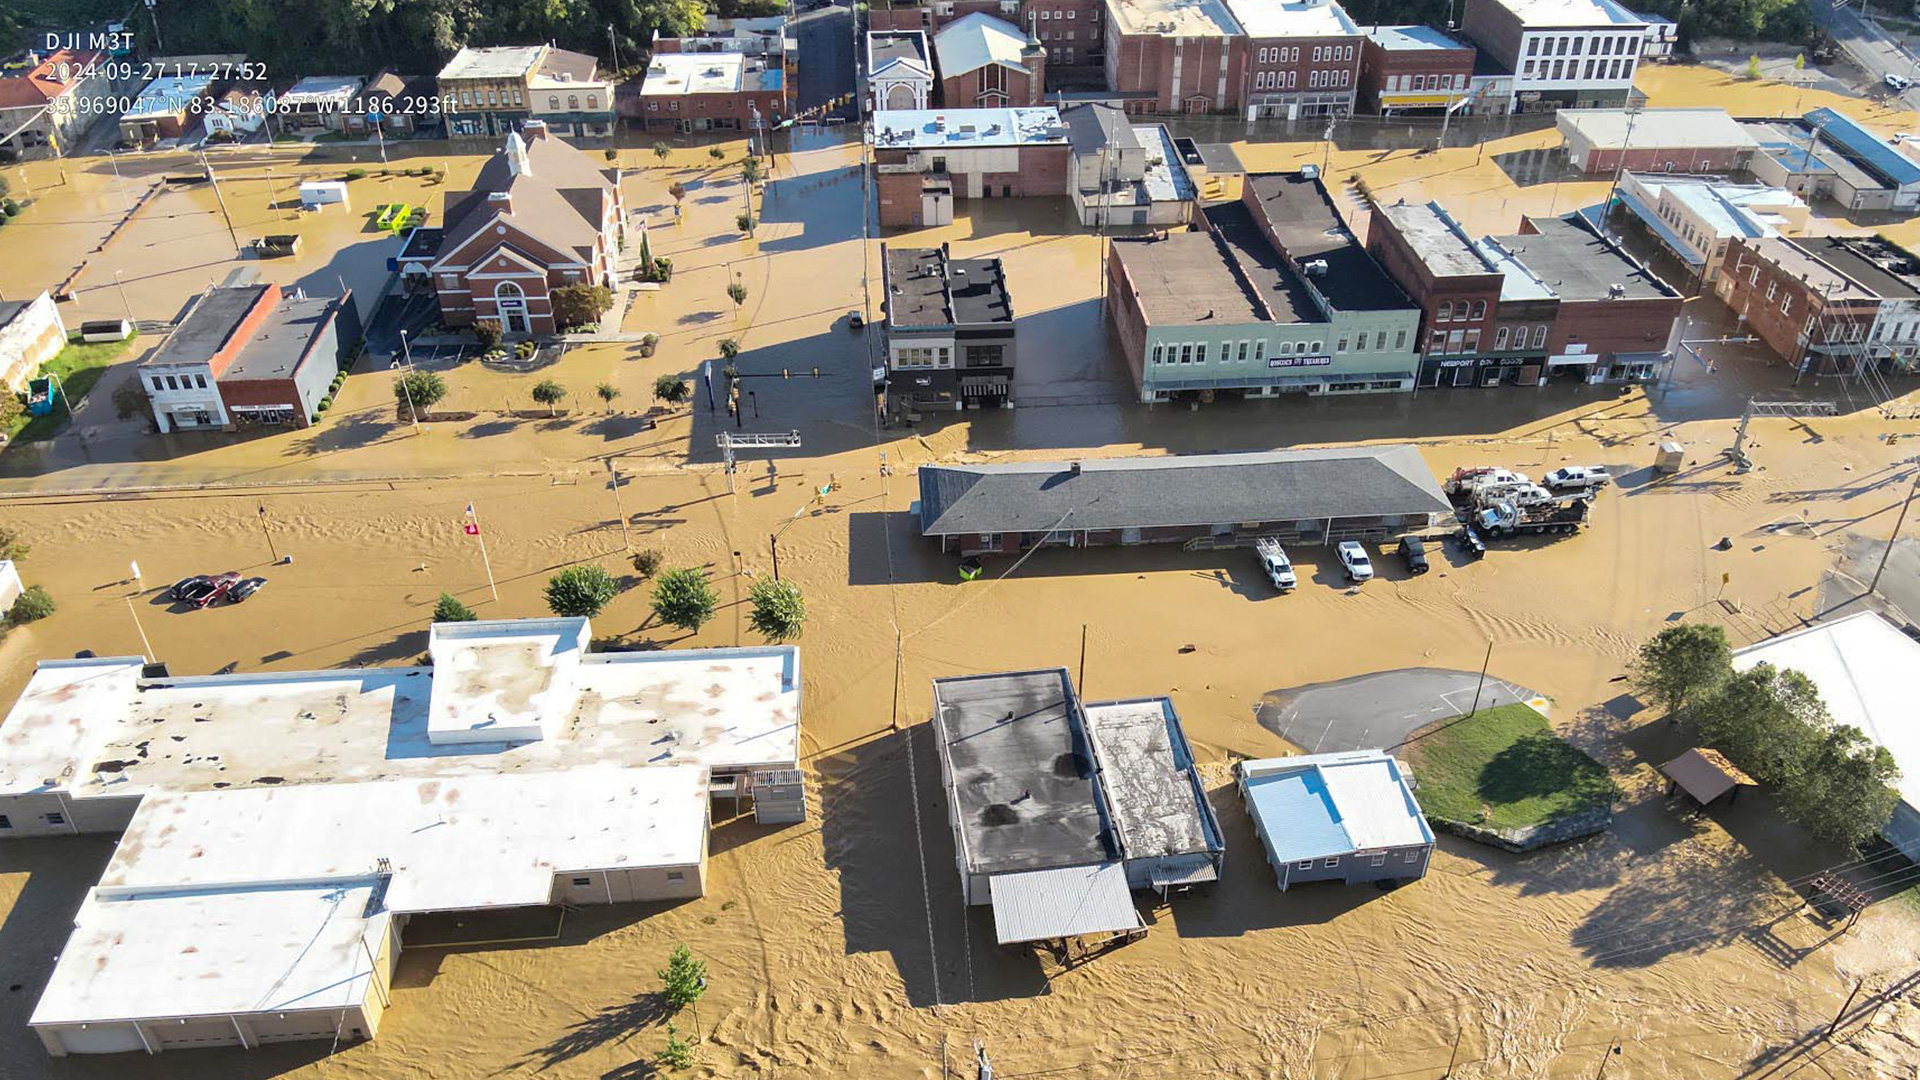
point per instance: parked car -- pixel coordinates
(1414, 550)
(1354, 558)
(216, 589)
(1274, 562)
(1896, 81)
(198, 591)
(185, 585)
(855, 320)
(244, 588)
(1578, 478)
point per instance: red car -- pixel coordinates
(221, 585)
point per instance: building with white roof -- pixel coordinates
(1687, 140)
(1863, 667)
(1347, 817)
(712, 91)
(926, 158)
(1563, 53)
(1303, 57)
(899, 70)
(166, 108)
(1175, 55)
(264, 810)
(1695, 217)
(317, 101)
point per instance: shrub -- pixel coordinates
(737, 291)
(356, 174)
(5, 187)
(11, 207)
(612, 154)
(729, 348)
(779, 611)
(487, 334)
(129, 399)
(716, 153)
(744, 222)
(670, 389)
(549, 393)
(678, 1053)
(684, 978)
(577, 304)
(31, 605)
(580, 591)
(450, 609)
(524, 350)
(661, 152)
(647, 563)
(684, 598)
(325, 404)
(420, 389)
(12, 548)
(607, 392)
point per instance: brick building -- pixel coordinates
(1655, 140)
(1302, 57)
(541, 215)
(949, 330)
(718, 91)
(1073, 32)
(769, 39)
(1430, 256)
(48, 105)
(1414, 69)
(985, 63)
(1165, 56)
(1825, 304)
(934, 14)
(484, 91)
(924, 160)
(1614, 320)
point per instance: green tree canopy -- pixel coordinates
(450, 609)
(580, 591)
(421, 390)
(670, 389)
(1680, 663)
(578, 305)
(549, 393)
(684, 597)
(1766, 720)
(684, 979)
(779, 611)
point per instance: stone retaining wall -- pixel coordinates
(1533, 837)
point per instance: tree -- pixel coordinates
(1845, 794)
(661, 153)
(450, 609)
(684, 978)
(647, 562)
(684, 598)
(678, 190)
(487, 333)
(549, 393)
(678, 1053)
(578, 305)
(419, 390)
(750, 170)
(580, 591)
(607, 392)
(670, 389)
(779, 611)
(1765, 720)
(1753, 66)
(738, 292)
(32, 604)
(744, 222)
(129, 399)
(12, 548)
(729, 348)
(1680, 663)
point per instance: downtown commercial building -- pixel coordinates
(1562, 53)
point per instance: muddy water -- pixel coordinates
(830, 952)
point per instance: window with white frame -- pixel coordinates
(1540, 337)
(1331, 860)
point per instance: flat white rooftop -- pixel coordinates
(1864, 668)
(1606, 129)
(695, 73)
(1543, 14)
(178, 953)
(94, 728)
(493, 62)
(1173, 18)
(452, 844)
(1293, 18)
(895, 129)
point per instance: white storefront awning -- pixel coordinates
(1042, 905)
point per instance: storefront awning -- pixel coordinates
(1072, 901)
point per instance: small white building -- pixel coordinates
(31, 334)
(1863, 666)
(315, 194)
(899, 70)
(10, 586)
(1348, 817)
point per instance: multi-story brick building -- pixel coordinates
(924, 160)
(1175, 56)
(1302, 57)
(1429, 255)
(49, 103)
(770, 39)
(484, 91)
(929, 16)
(1074, 34)
(1614, 321)
(1563, 53)
(717, 91)
(1415, 69)
(541, 215)
(987, 63)
(1826, 305)
(949, 330)
(1600, 142)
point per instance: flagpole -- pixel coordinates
(484, 560)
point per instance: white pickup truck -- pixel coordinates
(1274, 563)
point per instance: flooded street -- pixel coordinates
(840, 948)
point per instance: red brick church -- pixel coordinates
(541, 215)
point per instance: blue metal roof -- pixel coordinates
(1869, 149)
(1298, 816)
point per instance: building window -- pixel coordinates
(1500, 339)
(466, 97)
(990, 541)
(582, 881)
(573, 102)
(1331, 860)
(1319, 348)
(516, 97)
(1317, 52)
(1786, 305)
(55, 817)
(1413, 856)
(1260, 350)
(593, 101)
(676, 875)
(1186, 354)
(553, 101)
(1479, 310)
(1340, 345)
(1200, 353)
(1156, 354)
(1533, 47)
(1399, 340)
(1243, 352)
(1528, 71)
(5, 822)
(1455, 339)
(1773, 289)
(493, 97)
(1379, 859)
(1540, 337)
(1443, 313)
(1473, 340)
(1437, 344)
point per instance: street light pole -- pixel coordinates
(1902, 520)
(121, 285)
(625, 536)
(406, 392)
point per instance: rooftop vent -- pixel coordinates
(1314, 267)
(1616, 290)
(1073, 467)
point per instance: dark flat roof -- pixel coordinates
(276, 350)
(1261, 263)
(1885, 269)
(10, 308)
(1021, 772)
(214, 318)
(926, 288)
(1578, 265)
(1186, 278)
(1308, 227)
(1180, 490)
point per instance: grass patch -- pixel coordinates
(79, 366)
(1504, 768)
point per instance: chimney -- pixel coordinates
(1073, 467)
(535, 129)
(501, 201)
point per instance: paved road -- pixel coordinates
(826, 56)
(1377, 710)
(1867, 45)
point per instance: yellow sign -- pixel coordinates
(1403, 101)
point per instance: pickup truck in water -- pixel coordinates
(1502, 520)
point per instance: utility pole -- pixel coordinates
(1613, 1051)
(1081, 676)
(221, 200)
(137, 589)
(1837, 1017)
(1484, 664)
(268, 533)
(613, 470)
(1895, 536)
(1621, 167)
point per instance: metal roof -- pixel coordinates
(1705, 774)
(895, 129)
(1158, 801)
(1610, 129)
(1319, 805)
(1870, 150)
(493, 62)
(1041, 905)
(1198, 489)
(977, 40)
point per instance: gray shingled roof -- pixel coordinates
(1201, 489)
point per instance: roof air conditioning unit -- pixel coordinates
(1314, 267)
(1616, 290)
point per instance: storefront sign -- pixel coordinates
(1465, 361)
(1298, 361)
